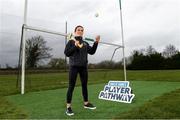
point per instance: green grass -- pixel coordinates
(51, 81)
(9, 110)
(154, 75)
(51, 103)
(36, 82)
(163, 107)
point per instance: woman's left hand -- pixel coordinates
(97, 38)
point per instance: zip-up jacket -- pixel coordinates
(79, 56)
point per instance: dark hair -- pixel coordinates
(77, 27)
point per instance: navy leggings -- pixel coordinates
(73, 72)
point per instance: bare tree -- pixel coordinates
(150, 50)
(36, 51)
(169, 51)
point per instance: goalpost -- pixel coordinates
(25, 27)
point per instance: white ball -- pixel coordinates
(96, 15)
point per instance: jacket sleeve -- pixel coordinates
(92, 50)
(70, 48)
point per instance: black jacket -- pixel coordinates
(78, 56)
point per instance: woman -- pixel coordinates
(77, 51)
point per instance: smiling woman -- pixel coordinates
(146, 22)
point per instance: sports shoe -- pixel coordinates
(90, 106)
(69, 111)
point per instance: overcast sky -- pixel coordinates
(145, 22)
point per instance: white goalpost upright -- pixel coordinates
(23, 43)
(122, 34)
(23, 48)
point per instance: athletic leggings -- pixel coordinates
(73, 72)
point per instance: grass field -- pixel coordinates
(147, 86)
(59, 80)
(165, 106)
(51, 103)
